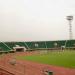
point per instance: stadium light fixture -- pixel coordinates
(70, 18)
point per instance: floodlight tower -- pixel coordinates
(70, 18)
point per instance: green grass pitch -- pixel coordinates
(65, 58)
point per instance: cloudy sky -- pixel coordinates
(35, 20)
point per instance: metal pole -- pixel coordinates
(70, 18)
(70, 29)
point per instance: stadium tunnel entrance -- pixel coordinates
(19, 49)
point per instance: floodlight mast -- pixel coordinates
(70, 18)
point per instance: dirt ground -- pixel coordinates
(23, 67)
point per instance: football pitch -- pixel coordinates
(56, 58)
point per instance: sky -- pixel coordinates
(36, 20)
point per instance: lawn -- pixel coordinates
(65, 59)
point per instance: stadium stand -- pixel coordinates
(33, 45)
(4, 47)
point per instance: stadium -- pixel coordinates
(37, 58)
(37, 37)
